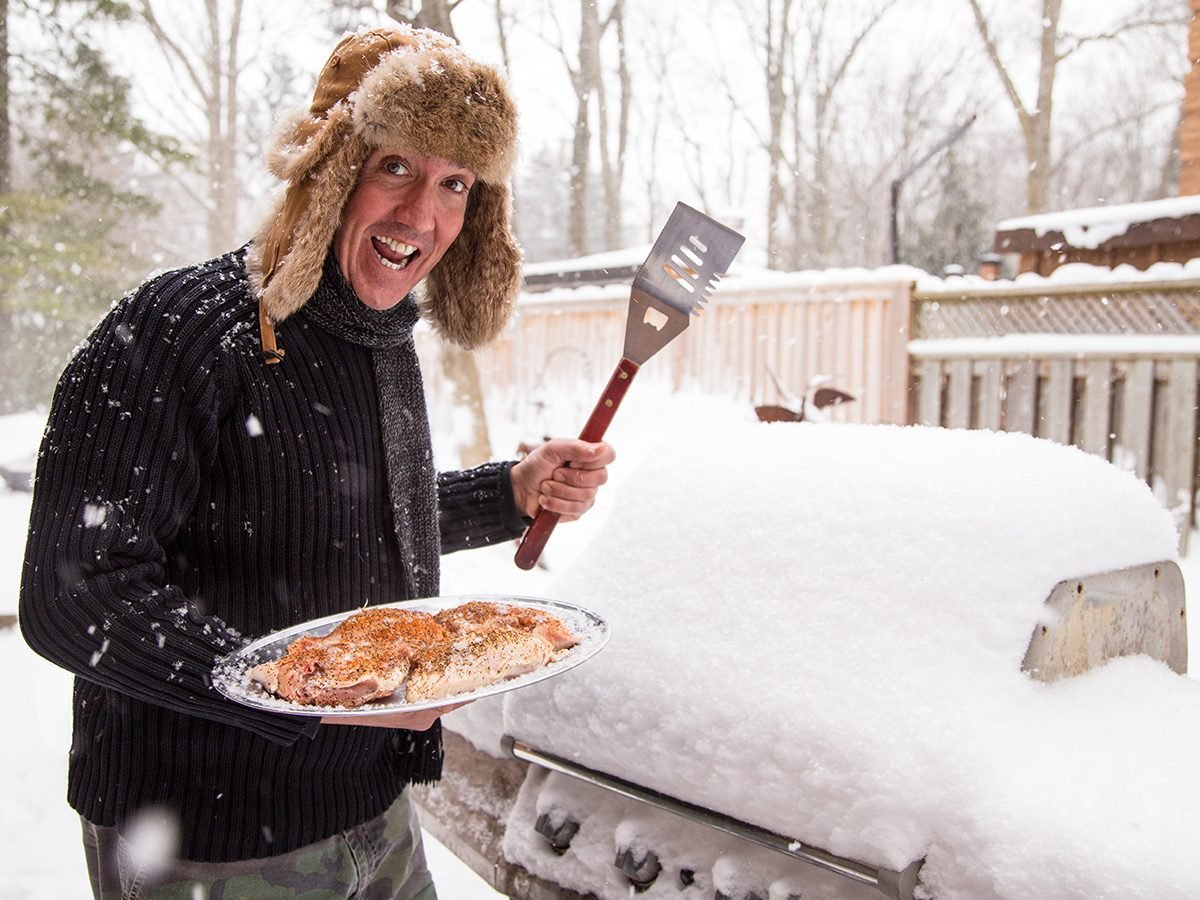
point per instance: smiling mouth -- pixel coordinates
(393, 254)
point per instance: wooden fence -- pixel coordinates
(853, 332)
(1111, 368)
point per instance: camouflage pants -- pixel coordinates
(381, 859)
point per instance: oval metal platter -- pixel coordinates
(231, 679)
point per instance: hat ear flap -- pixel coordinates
(287, 255)
(470, 292)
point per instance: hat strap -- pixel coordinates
(272, 352)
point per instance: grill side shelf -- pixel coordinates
(1088, 620)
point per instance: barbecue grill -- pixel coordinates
(872, 678)
(1088, 620)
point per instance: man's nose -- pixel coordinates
(416, 208)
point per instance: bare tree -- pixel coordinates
(1055, 45)
(585, 77)
(777, 38)
(805, 63)
(211, 72)
(816, 82)
(613, 162)
(5, 132)
(586, 74)
(433, 14)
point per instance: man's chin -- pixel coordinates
(382, 302)
(385, 292)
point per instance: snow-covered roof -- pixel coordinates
(1089, 227)
(1073, 275)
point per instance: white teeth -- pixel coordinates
(397, 247)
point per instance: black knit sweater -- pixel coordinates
(188, 498)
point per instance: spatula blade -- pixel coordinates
(691, 254)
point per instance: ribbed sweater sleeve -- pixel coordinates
(131, 433)
(476, 507)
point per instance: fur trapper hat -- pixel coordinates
(413, 89)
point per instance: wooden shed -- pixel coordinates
(1137, 234)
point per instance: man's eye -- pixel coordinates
(458, 185)
(395, 167)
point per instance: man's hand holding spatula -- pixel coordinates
(561, 476)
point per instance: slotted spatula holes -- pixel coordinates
(684, 267)
(679, 279)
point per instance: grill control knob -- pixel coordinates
(640, 870)
(559, 836)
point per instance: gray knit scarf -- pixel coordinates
(412, 480)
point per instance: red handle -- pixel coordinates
(536, 536)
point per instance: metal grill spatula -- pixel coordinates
(691, 253)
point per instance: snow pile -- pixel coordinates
(819, 629)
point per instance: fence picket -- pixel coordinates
(958, 394)
(1056, 404)
(1020, 399)
(930, 392)
(991, 393)
(1097, 407)
(1133, 435)
(1180, 438)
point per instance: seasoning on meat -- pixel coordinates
(378, 653)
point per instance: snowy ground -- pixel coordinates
(37, 829)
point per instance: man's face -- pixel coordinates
(403, 214)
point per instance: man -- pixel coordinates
(242, 446)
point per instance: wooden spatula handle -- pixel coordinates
(536, 536)
(614, 393)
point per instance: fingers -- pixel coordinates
(578, 478)
(580, 454)
(571, 492)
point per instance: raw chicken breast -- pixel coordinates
(477, 615)
(366, 657)
(476, 658)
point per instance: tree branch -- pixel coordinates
(840, 73)
(1135, 24)
(172, 50)
(994, 55)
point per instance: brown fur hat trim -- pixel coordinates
(415, 90)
